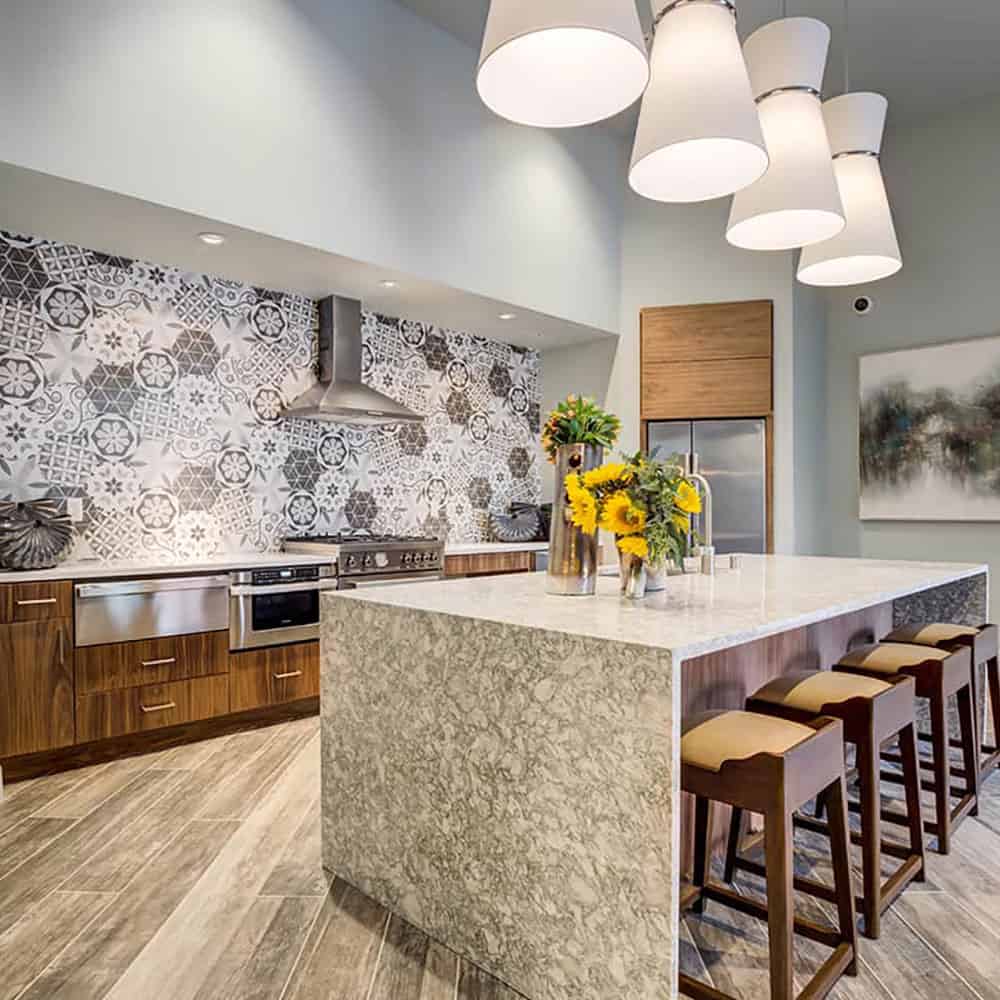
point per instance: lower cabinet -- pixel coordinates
(489, 563)
(36, 685)
(273, 676)
(107, 714)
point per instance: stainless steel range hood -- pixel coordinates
(340, 396)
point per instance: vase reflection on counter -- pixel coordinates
(573, 565)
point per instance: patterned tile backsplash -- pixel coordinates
(154, 395)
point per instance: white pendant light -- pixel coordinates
(867, 249)
(796, 202)
(562, 63)
(699, 134)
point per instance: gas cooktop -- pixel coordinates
(360, 553)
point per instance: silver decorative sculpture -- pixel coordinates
(36, 534)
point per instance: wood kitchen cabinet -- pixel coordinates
(274, 675)
(489, 563)
(36, 684)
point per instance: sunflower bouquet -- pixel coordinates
(645, 503)
(578, 420)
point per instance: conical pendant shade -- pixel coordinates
(699, 135)
(562, 63)
(867, 249)
(797, 201)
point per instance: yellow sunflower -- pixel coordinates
(621, 516)
(606, 473)
(584, 508)
(634, 545)
(682, 521)
(688, 498)
(573, 484)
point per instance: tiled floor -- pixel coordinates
(195, 874)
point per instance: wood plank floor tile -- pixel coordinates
(341, 954)
(237, 797)
(299, 871)
(32, 943)
(102, 784)
(440, 973)
(117, 863)
(33, 796)
(260, 958)
(400, 971)
(49, 868)
(181, 956)
(96, 961)
(969, 947)
(190, 756)
(26, 839)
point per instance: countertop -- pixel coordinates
(695, 614)
(86, 569)
(488, 548)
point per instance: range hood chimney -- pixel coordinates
(340, 396)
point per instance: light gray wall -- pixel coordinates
(942, 178)
(350, 126)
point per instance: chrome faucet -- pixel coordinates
(707, 549)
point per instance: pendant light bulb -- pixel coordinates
(797, 201)
(867, 249)
(699, 135)
(562, 63)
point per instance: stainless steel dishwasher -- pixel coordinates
(121, 611)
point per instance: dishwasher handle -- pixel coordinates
(122, 588)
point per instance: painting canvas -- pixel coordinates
(930, 433)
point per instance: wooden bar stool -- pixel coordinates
(939, 674)
(873, 712)
(771, 766)
(983, 641)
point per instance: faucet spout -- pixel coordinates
(708, 539)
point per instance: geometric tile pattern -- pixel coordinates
(156, 394)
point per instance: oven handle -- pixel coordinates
(389, 580)
(283, 588)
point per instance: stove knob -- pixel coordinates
(427, 557)
(351, 562)
(368, 560)
(407, 559)
(381, 560)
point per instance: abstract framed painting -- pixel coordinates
(929, 426)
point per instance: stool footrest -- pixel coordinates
(890, 847)
(927, 786)
(890, 757)
(807, 885)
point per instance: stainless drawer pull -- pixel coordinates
(291, 673)
(37, 600)
(159, 663)
(158, 708)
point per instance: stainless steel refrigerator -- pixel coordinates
(733, 458)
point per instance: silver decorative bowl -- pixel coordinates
(36, 534)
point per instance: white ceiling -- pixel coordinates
(58, 209)
(925, 56)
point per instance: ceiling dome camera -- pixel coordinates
(863, 305)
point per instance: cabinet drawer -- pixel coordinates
(489, 563)
(262, 677)
(151, 661)
(152, 706)
(28, 602)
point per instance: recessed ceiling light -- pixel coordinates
(389, 284)
(212, 239)
(506, 316)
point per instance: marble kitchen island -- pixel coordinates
(500, 766)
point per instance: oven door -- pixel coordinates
(276, 615)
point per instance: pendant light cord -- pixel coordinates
(847, 47)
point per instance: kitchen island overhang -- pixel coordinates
(500, 767)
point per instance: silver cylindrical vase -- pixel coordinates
(572, 552)
(634, 576)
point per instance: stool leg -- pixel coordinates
(836, 801)
(733, 846)
(942, 801)
(911, 779)
(993, 683)
(970, 744)
(871, 834)
(778, 833)
(700, 849)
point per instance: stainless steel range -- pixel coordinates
(365, 560)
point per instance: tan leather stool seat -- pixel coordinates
(712, 738)
(890, 658)
(931, 634)
(810, 690)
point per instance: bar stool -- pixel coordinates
(771, 766)
(872, 712)
(983, 642)
(939, 674)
